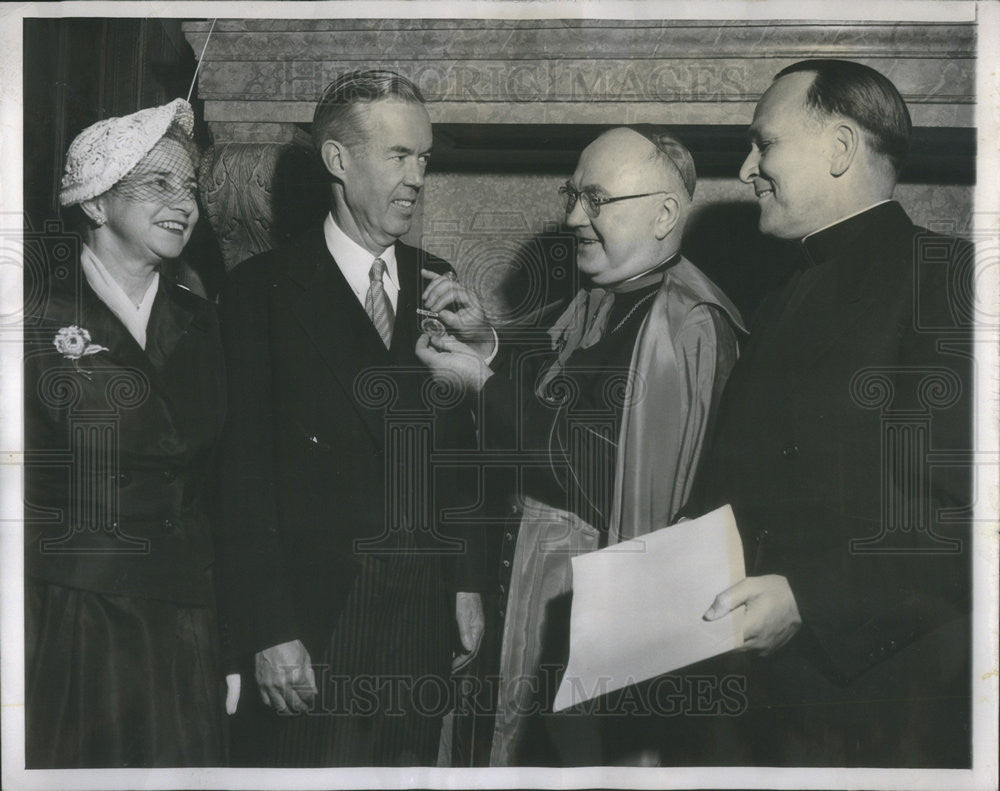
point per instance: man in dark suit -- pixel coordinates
(337, 558)
(842, 445)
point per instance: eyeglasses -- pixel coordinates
(592, 203)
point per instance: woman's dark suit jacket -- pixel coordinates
(120, 445)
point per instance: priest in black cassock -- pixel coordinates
(606, 424)
(857, 376)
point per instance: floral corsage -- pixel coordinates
(73, 343)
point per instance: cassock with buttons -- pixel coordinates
(334, 506)
(842, 445)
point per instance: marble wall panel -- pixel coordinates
(455, 200)
(243, 115)
(461, 39)
(502, 231)
(576, 80)
(594, 112)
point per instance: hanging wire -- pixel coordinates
(201, 58)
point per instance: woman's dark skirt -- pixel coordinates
(114, 681)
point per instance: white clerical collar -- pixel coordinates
(853, 214)
(134, 317)
(355, 262)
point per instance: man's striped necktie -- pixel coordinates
(377, 304)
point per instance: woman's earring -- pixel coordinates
(99, 219)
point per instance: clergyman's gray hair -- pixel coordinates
(671, 150)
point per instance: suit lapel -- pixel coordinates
(335, 322)
(404, 329)
(169, 321)
(107, 330)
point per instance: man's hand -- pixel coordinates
(233, 683)
(459, 310)
(772, 616)
(471, 625)
(285, 676)
(450, 360)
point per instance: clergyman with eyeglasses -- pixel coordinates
(608, 423)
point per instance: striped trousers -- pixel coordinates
(384, 682)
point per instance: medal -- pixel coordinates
(431, 324)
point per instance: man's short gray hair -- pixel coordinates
(336, 116)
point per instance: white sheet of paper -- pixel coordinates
(637, 606)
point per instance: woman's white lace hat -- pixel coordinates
(104, 152)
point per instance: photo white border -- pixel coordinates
(985, 549)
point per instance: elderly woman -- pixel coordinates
(124, 400)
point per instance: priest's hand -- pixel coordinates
(772, 617)
(471, 626)
(451, 361)
(285, 677)
(460, 310)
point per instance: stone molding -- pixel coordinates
(566, 71)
